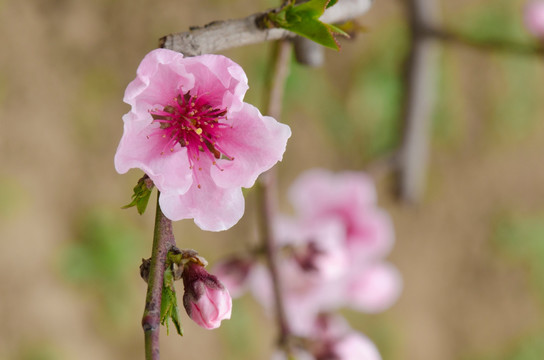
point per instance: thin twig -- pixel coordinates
(267, 192)
(163, 241)
(419, 100)
(221, 35)
(495, 45)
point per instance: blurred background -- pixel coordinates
(471, 253)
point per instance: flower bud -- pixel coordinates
(206, 300)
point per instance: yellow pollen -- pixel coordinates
(198, 131)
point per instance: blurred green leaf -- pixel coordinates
(521, 238)
(303, 19)
(101, 260)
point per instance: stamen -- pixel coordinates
(190, 121)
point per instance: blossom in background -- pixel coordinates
(190, 131)
(372, 288)
(312, 265)
(533, 16)
(349, 197)
(205, 298)
(233, 273)
(333, 339)
(331, 255)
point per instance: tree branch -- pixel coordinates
(163, 241)
(267, 190)
(496, 45)
(419, 100)
(221, 35)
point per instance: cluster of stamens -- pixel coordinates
(192, 122)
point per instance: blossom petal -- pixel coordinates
(356, 346)
(375, 289)
(159, 78)
(221, 80)
(136, 150)
(319, 191)
(256, 142)
(212, 208)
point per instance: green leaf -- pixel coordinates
(142, 192)
(169, 303)
(303, 20)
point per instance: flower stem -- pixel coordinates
(266, 189)
(163, 241)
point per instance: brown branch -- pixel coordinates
(221, 35)
(163, 241)
(419, 100)
(495, 45)
(267, 190)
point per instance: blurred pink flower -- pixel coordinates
(333, 339)
(349, 197)
(191, 133)
(332, 253)
(234, 273)
(312, 264)
(205, 299)
(374, 288)
(355, 346)
(533, 17)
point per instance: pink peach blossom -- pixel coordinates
(191, 133)
(374, 288)
(349, 197)
(355, 346)
(533, 17)
(205, 298)
(312, 267)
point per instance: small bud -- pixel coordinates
(206, 299)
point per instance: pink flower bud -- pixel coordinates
(533, 18)
(206, 300)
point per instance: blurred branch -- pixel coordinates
(221, 35)
(308, 52)
(497, 45)
(419, 99)
(267, 188)
(163, 241)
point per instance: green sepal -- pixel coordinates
(169, 303)
(303, 20)
(140, 197)
(331, 3)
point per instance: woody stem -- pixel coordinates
(163, 241)
(267, 192)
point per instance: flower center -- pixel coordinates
(192, 122)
